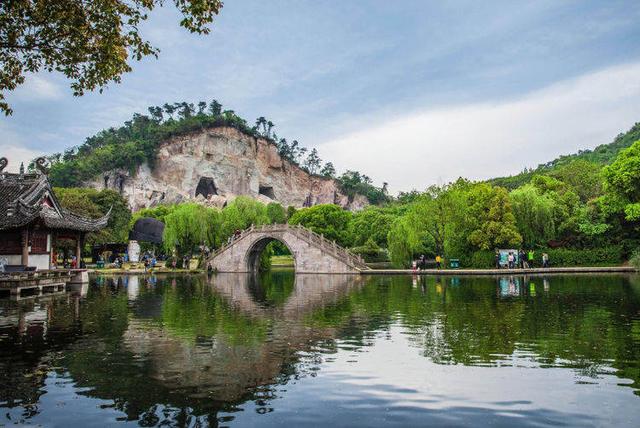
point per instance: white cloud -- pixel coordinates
(16, 155)
(37, 87)
(492, 139)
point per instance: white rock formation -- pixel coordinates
(215, 165)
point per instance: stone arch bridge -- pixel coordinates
(312, 253)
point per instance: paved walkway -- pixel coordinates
(533, 271)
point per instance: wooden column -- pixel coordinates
(79, 240)
(25, 247)
(52, 250)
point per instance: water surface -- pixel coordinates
(317, 350)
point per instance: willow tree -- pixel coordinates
(191, 225)
(534, 215)
(241, 213)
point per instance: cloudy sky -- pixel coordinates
(411, 92)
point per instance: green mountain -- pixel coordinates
(601, 155)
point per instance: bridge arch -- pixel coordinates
(312, 253)
(259, 245)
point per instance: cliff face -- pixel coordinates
(216, 165)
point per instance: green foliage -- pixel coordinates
(404, 241)
(241, 213)
(372, 223)
(353, 183)
(582, 176)
(604, 256)
(90, 42)
(494, 225)
(601, 155)
(328, 220)
(635, 259)
(191, 225)
(134, 143)
(480, 260)
(371, 252)
(94, 204)
(622, 180)
(138, 141)
(276, 213)
(159, 212)
(534, 214)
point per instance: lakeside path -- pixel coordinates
(450, 272)
(493, 272)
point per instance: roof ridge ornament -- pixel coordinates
(3, 163)
(41, 165)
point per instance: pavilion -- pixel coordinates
(32, 220)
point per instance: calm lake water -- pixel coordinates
(280, 350)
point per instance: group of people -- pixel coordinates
(422, 262)
(149, 261)
(521, 259)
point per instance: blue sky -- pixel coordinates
(409, 92)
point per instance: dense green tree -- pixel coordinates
(534, 215)
(90, 42)
(371, 223)
(93, 203)
(312, 162)
(326, 219)
(622, 182)
(190, 225)
(276, 213)
(241, 213)
(403, 241)
(328, 170)
(353, 182)
(492, 222)
(159, 212)
(583, 177)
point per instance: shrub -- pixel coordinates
(559, 257)
(479, 260)
(635, 259)
(371, 252)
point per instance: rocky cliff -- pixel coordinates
(215, 165)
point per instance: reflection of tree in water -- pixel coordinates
(186, 349)
(273, 287)
(580, 322)
(203, 354)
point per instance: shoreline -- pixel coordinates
(504, 272)
(428, 272)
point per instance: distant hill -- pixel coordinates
(601, 155)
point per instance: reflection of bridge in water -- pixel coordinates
(312, 253)
(224, 368)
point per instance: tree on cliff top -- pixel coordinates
(90, 42)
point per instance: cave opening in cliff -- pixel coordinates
(267, 191)
(206, 187)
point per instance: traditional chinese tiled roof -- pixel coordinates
(26, 198)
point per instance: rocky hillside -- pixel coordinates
(214, 166)
(181, 152)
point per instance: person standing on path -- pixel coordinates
(545, 260)
(530, 258)
(438, 262)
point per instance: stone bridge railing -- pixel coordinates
(312, 238)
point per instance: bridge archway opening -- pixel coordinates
(257, 250)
